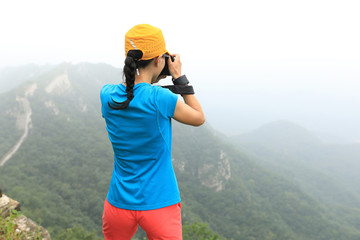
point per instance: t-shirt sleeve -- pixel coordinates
(102, 99)
(166, 102)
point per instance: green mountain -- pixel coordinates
(328, 172)
(61, 170)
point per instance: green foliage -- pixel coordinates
(198, 231)
(8, 227)
(76, 233)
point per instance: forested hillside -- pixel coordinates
(330, 173)
(62, 169)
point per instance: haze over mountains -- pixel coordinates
(248, 103)
(295, 152)
(277, 182)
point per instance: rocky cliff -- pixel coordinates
(21, 226)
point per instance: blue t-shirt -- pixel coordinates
(143, 176)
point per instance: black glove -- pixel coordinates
(181, 86)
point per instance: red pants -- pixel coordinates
(159, 224)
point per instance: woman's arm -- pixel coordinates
(189, 111)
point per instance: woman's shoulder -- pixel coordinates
(109, 88)
(164, 93)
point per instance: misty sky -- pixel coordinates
(251, 62)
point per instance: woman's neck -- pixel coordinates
(144, 76)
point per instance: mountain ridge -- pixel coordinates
(281, 133)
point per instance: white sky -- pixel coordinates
(251, 62)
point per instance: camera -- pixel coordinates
(165, 71)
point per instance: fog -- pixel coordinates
(250, 62)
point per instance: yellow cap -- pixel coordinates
(148, 39)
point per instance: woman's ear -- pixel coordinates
(157, 60)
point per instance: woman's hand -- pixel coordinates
(175, 67)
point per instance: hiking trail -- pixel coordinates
(23, 121)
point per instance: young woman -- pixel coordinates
(143, 189)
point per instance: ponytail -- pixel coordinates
(132, 63)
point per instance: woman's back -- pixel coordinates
(141, 139)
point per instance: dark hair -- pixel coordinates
(132, 62)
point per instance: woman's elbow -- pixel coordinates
(199, 121)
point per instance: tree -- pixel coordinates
(76, 233)
(198, 231)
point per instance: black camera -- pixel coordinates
(165, 71)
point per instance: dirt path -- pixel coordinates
(26, 109)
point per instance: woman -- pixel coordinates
(143, 189)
